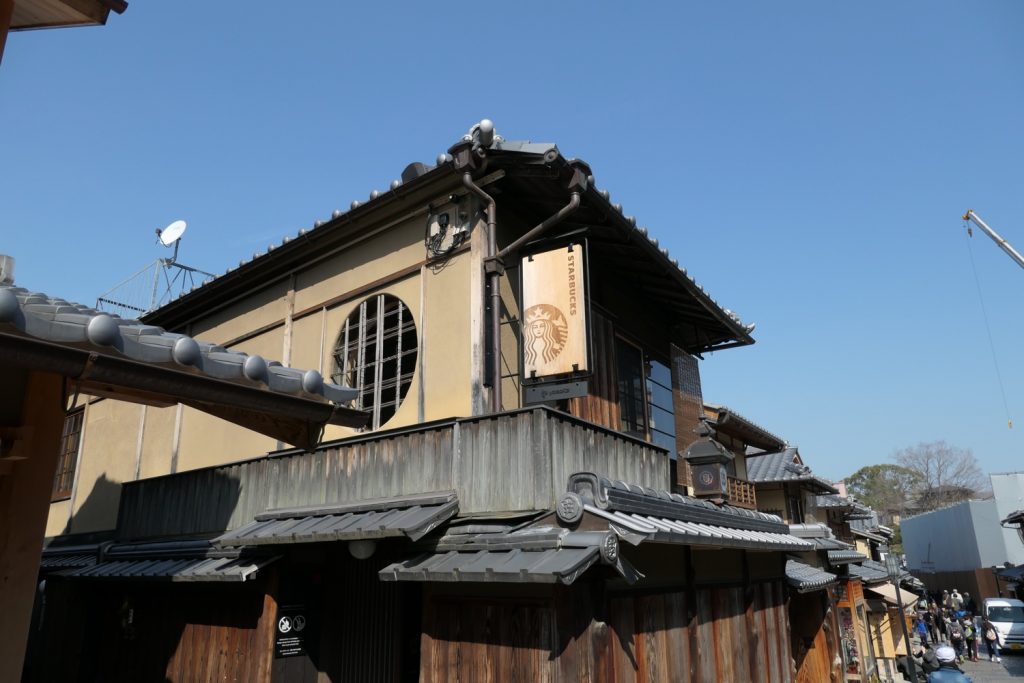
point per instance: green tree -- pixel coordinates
(884, 488)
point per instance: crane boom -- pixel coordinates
(996, 237)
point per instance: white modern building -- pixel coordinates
(958, 546)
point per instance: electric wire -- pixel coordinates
(988, 327)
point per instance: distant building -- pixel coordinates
(958, 546)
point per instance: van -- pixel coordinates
(1007, 615)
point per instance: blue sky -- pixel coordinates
(807, 162)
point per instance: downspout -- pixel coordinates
(493, 280)
(471, 153)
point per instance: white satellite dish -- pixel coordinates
(172, 233)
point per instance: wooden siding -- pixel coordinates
(708, 635)
(520, 460)
(601, 405)
(144, 632)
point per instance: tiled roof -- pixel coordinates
(553, 565)
(869, 571)
(533, 554)
(782, 466)
(845, 556)
(640, 514)
(854, 509)
(188, 561)
(409, 516)
(754, 434)
(805, 578)
(103, 349)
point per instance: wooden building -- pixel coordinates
(514, 507)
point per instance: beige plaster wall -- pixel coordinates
(158, 437)
(262, 307)
(110, 443)
(368, 261)
(57, 521)
(771, 499)
(391, 257)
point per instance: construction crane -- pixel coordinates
(996, 237)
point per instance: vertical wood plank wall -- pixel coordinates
(520, 460)
(709, 635)
(601, 406)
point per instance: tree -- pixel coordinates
(948, 474)
(884, 488)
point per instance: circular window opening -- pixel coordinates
(376, 355)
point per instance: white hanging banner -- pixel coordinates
(554, 322)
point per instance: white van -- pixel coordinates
(1007, 615)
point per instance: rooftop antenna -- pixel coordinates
(158, 283)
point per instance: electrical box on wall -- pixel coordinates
(448, 225)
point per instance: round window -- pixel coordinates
(376, 354)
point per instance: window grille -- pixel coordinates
(376, 355)
(67, 460)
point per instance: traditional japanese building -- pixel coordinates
(514, 507)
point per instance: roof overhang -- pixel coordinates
(38, 14)
(804, 578)
(405, 516)
(533, 176)
(105, 356)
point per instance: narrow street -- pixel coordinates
(1010, 669)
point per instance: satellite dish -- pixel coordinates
(172, 233)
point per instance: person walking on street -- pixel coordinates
(990, 634)
(956, 601)
(921, 629)
(948, 671)
(956, 637)
(970, 637)
(946, 601)
(929, 620)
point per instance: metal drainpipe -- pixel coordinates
(495, 268)
(493, 279)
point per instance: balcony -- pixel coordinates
(517, 461)
(742, 494)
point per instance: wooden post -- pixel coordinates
(24, 506)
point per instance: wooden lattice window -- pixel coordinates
(376, 354)
(67, 460)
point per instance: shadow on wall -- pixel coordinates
(134, 629)
(99, 510)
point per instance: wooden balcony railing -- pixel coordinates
(742, 494)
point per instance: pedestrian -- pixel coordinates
(948, 671)
(929, 662)
(990, 634)
(969, 603)
(956, 638)
(945, 601)
(940, 624)
(956, 601)
(921, 629)
(970, 637)
(929, 620)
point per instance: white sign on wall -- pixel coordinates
(554, 323)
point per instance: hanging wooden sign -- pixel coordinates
(554, 321)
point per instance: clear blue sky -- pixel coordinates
(806, 161)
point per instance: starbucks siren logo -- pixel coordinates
(546, 332)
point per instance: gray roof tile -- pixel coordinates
(805, 578)
(409, 516)
(782, 466)
(26, 315)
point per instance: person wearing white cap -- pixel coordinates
(948, 671)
